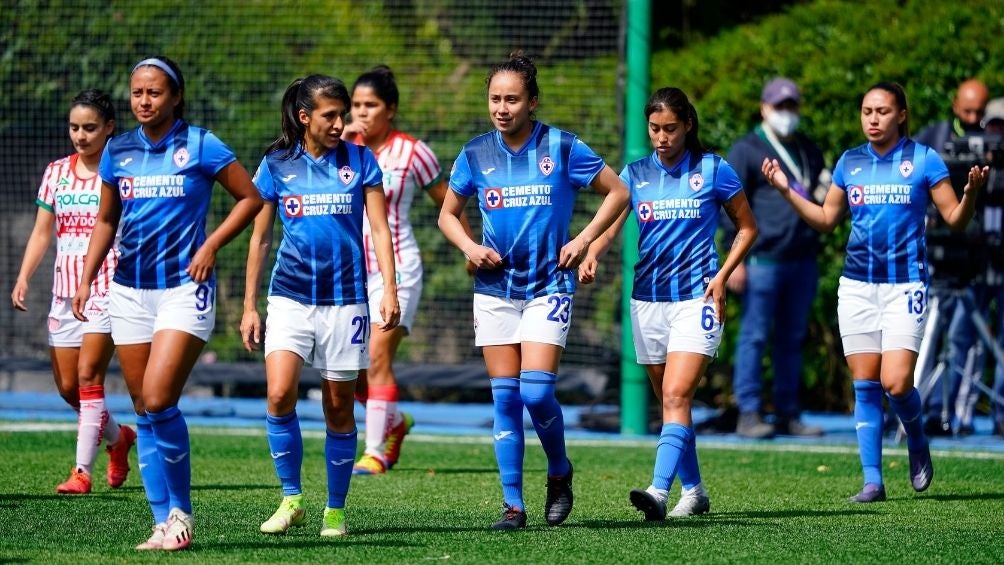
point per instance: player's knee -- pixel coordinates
(280, 402)
(338, 415)
(89, 375)
(71, 397)
(380, 371)
(675, 401)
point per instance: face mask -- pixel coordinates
(783, 122)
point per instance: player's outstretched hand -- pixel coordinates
(775, 176)
(977, 180)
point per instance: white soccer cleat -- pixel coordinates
(179, 531)
(692, 502)
(651, 501)
(156, 540)
(334, 523)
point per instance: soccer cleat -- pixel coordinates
(692, 502)
(334, 523)
(512, 518)
(651, 502)
(118, 457)
(921, 469)
(156, 540)
(870, 493)
(290, 514)
(369, 465)
(78, 483)
(395, 437)
(558, 504)
(179, 531)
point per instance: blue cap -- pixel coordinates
(780, 89)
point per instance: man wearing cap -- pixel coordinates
(777, 283)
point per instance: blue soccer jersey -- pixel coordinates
(888, 197)
(165, 188)
(320, 203)
(677, 211)
(526, 199)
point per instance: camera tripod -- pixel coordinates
(928, 374)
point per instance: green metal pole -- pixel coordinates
(634, 383)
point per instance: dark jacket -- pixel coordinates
(783, 236)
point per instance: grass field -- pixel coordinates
(768, 504)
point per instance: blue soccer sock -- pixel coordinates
(689, 470)
(171, 432)
(286, 445)
(908, 409)
(339, 454)
(536, 389)
(509, 441)
(151, 470)
(868, 425)
(673, 443)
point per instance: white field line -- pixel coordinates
(769, 447)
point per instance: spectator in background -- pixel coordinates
(969, 108)
(993, 125)
(778, 280)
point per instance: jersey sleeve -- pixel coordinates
(372, 175)
(106, 168)
(46, 194)
(263, 180)
(838, 173)
(935, 169)
(215, 154)
(425, 166)
(583, 164)
(727, 183)
(460, 177)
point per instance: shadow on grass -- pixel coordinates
(953, 497)
(21, 497)
(234, 487)
(447, 471)
(796, 513)
(302, 542)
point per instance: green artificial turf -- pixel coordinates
(768, 504)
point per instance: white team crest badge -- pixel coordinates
(696, 182)
(346, 174)
(546, 165)
(181, 157)
(905, 168)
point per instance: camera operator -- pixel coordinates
(971, 261)
(968, 107)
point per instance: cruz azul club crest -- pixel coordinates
(546, 165)
(292, 206)
(905, 168)
(181, 157)
(696, 182)
(346, 174)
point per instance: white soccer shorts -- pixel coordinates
(502, 321)
(878, 317)
(407, 297)
(330, 338)
(662, 327)
(138, 313)
(67, 331)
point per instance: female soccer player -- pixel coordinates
(408, 167)
(887, 183)
(678, 302)
(317, 304)
(526, 175)
(157, 181)
(80, 351)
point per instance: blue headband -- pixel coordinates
(160, 65)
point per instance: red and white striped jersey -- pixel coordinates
(408, 166)
(74, 202)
